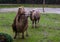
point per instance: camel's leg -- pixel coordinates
(26, 33)
(15, 35)
(22, 35)
(32, 24)
(38, 22)
(35, 24)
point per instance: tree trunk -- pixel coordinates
(43, 5)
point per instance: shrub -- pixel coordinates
(5, 38)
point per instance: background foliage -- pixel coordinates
(30, 1)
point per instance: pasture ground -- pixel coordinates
(48, 31)
(28, 5)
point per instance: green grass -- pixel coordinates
(48, 31)
(29, 5)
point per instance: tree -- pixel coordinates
(43, 5)
(18, 1)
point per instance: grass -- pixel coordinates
(48, 31)
(28, 5)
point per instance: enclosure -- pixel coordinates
(49, 23)
(48, 30)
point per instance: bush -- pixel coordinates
(5, 38)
